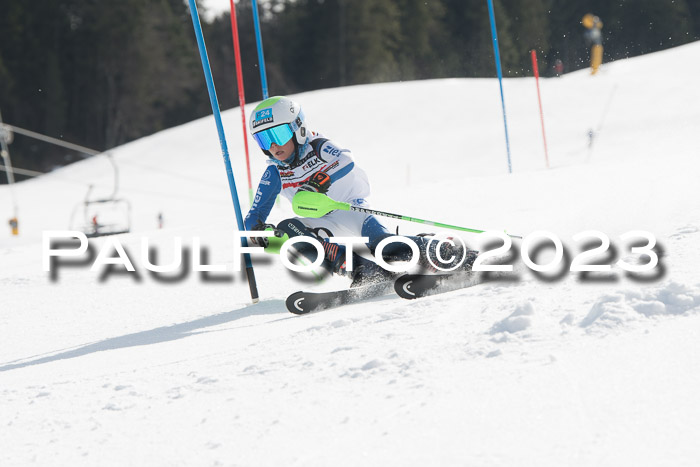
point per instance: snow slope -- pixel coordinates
(155, 370)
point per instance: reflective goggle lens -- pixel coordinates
(278, 134)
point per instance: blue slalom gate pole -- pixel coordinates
(261, 55)
(222, 141)
(497, 54)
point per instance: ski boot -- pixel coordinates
(365, 272)
(429, 251)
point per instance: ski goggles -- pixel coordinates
(279, 135)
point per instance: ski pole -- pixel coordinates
(310, 204)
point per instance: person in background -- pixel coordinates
(558, 67)
(14, 226)
(594, 40)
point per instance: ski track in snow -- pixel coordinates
(564, 370)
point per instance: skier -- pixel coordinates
(302, 160)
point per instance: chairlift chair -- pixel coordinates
(105, 216)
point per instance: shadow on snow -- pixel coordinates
(153, 336)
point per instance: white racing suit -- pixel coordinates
(348, 184)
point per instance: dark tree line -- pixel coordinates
(101, 73)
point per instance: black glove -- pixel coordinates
(319, 182)
(261, 241)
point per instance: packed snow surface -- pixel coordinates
(118, 368)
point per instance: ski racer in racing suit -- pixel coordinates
(299, 159)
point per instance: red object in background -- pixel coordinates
(533, 54)
(241, 91)
(559, 67)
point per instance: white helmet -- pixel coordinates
(276, 120)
